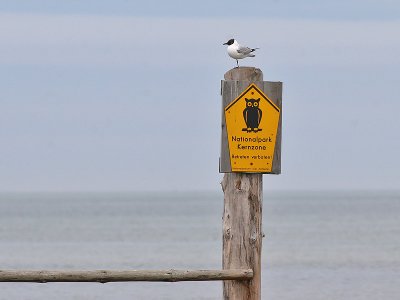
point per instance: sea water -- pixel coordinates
(318, 245)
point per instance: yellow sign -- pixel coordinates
(252, 122)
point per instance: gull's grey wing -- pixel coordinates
(244, 50)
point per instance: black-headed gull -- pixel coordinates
(237, 51)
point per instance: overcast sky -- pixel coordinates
(125, 95)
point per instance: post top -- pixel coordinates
(244, 73)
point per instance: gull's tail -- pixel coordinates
(251, 54)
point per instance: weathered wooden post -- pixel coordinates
(250, 146)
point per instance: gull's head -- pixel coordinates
(230, 42)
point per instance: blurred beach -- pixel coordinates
(319, 245)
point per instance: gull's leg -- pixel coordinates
(237, 63)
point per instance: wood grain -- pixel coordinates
(103, 276)
(242, 218)
(242, 232)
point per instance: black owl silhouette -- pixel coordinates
(252, 115)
